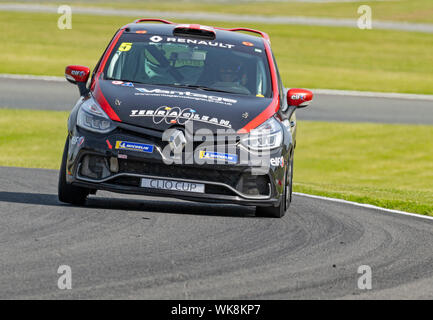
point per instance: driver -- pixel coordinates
(229, 72)
(230, 78)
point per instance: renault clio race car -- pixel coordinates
(185, 111)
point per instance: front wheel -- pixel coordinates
(67, 192)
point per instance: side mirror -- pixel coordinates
(78, 75)
(299, 98)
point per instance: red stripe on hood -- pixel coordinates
(99, 96)
(274, 106)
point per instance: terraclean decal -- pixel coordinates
(185, 95)
(176, 115)
(157, 39)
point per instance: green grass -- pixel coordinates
(381, 164)
(388, 165)
(33, 139)
(311, 57)
(401, 10)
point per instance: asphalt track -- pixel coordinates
(61, 95)
(149, 248)
(159, 248)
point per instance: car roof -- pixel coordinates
(225, 35)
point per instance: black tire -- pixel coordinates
(66, 192)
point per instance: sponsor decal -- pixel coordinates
(157, 39)
(141, 31)
(245, 115)
(124, 84)
(278, 161)
(122, 156)
(218, 156)
(117, 102)
(173, 185)
(77, 73)
(77, 140)
(248, 44)
(184, 95)
(260, 95)
(298, 96)
(134, 146)
(177, 115)
(258, 50)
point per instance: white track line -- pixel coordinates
(332, 92)
(364, 205)
(391, 95)
(213, 16)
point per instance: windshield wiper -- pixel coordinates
(208, 88)
(192, 86)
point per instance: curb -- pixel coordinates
(363, 205)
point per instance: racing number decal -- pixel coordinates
(125, 46)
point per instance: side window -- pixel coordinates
(280, 83)
(261, 80)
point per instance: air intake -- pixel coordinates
(194, 30)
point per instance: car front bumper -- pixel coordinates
(95, 162)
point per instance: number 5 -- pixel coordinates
(125, 46)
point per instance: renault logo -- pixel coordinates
(177, 141)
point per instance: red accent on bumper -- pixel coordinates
(109, 144)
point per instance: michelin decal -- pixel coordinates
(134, 146)
(218, 156)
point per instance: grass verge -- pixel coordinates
(310, 57)
(382, 164)
(33, 139)
(399, 10)
(388, 165)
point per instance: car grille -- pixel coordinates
(230, 177)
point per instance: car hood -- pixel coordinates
(161, 107)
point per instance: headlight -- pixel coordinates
(268, 135)
(92, 117)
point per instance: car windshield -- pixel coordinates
(239, 68)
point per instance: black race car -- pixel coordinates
(185, 111)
